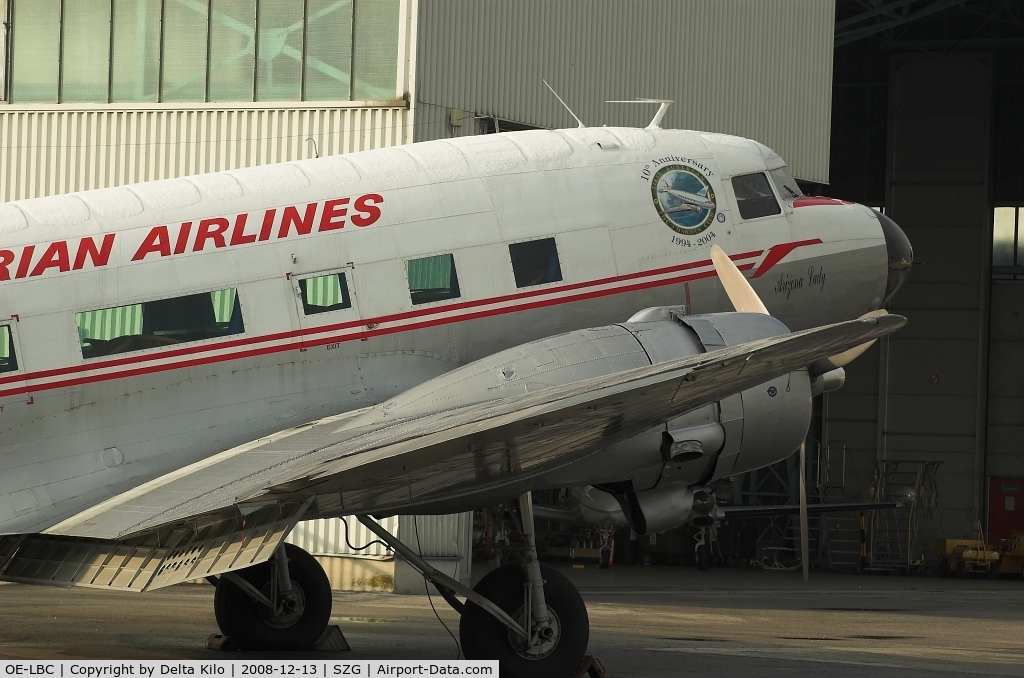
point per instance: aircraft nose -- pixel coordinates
(900, 254)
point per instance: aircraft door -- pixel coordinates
(12, 366)
(327, 305)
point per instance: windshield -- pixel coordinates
(785, 184)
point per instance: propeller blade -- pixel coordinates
(743, 297)
(805, 557)
(820, 367)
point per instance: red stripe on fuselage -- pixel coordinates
(309, 339)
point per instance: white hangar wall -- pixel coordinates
(757, 69)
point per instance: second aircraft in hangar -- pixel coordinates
(189, 367)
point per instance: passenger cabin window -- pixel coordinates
(535, 262)
(432, 279)
(324, 293)
(8, 359)
(165, 322)
(754, 196)
(785, 184)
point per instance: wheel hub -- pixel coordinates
(291, 611)
(544, 641)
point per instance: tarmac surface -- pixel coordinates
(645, 622)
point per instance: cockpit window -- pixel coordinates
(785, 184)
(754, 196)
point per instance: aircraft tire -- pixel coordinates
(702, 558)
(484, 637)
(241, 617)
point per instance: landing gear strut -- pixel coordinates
(529, 617)
(282, 604)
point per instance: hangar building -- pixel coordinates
(912, 106)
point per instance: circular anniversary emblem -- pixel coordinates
(684, 199)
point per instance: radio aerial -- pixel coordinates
(656, 121)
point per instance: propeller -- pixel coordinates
(745, 300)
(743, 297)
(805, 556)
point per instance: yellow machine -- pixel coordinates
(1012, 558)
(961, 557)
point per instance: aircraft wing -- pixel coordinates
(370, 463)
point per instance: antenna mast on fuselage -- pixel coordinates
(562, 102)
(656, 121)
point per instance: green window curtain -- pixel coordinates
(232, 50)
(430, 273)
(36, 46)
(328, 50)
(184, 52)
(86, 52)
(375, 52)
(109, 323)
(324, 291)
(223, 304)
(279, 59)
(136, 58)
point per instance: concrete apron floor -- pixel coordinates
(645, 622)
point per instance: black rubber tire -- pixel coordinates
(484, 637)
(702, 557)
(961, 570)
(944, 570)
(239, 616)
(993, 571)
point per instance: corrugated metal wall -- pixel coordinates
(438, 536)
(757, 69)
(327, 537)
(48, 150)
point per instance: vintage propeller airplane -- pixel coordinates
(191, 366)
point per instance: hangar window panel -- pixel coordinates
(754, 196)
(785, 184)
(279, 50)
(328, 50)
(324, 293)
(535, 262)
(375, 50)
(135, 62)
(184, 51)
(165, 322)
(36, 51)
(432, 279)
(8, 359)
(1007, 244)
(86, 51)
(232, 50)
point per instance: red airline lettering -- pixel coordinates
(156, 240)
(87, 248)
(181, 244)
(6, 259)
(366, 205)
(238, 236)
(26, 259)
(303, 225)
(55, 256)
(211, 229)
(268, 223)
(334, 215)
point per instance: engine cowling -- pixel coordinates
(652, 472)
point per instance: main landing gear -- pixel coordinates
(282, 604)
(529, 617)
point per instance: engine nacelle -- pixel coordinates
(651, 472)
